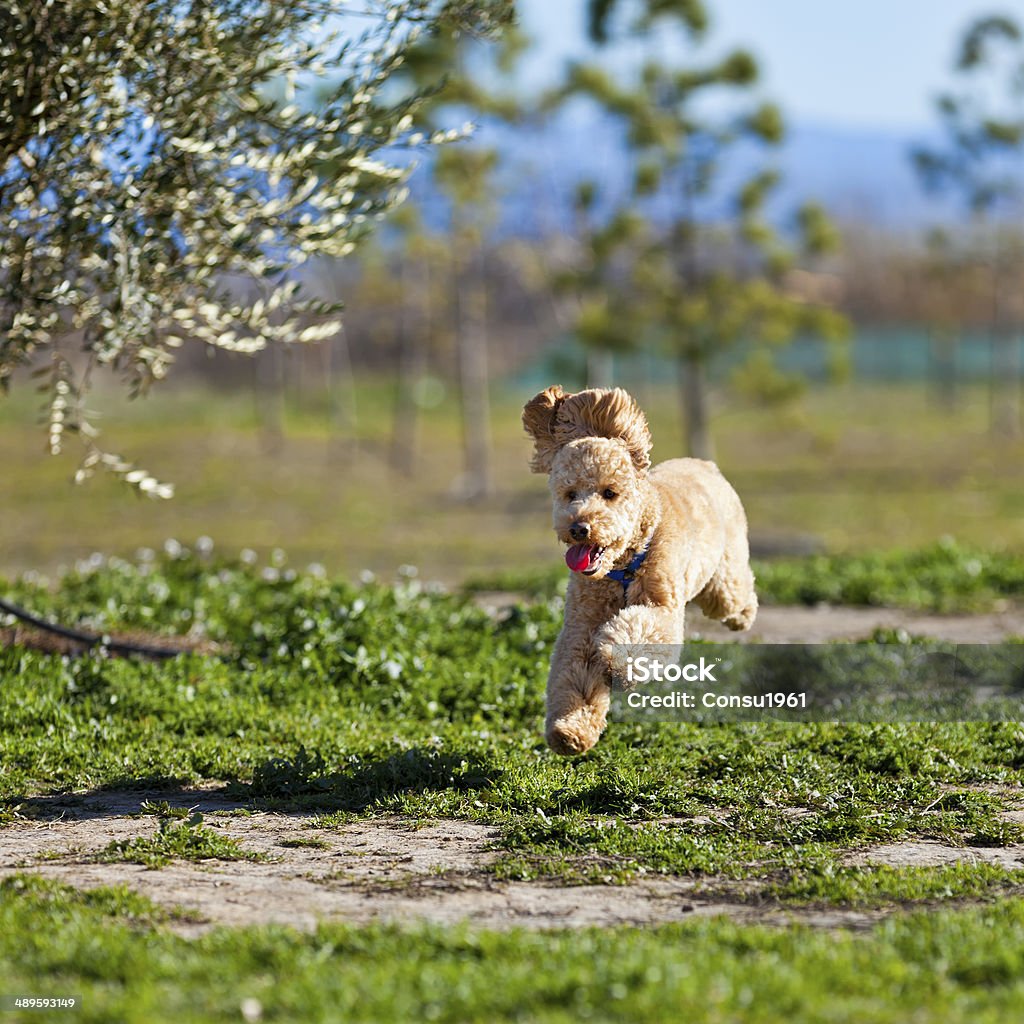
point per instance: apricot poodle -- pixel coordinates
(641, 542)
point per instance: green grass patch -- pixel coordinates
(188, 840)
(944, 577)
(882, 884)
(52, 901)
(303, 843)
(545, 581)
(110, 949)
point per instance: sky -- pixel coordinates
(865, 64)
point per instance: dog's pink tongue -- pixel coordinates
(578, 557)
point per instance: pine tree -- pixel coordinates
(477, 82)
(592, 279)
(708, 277)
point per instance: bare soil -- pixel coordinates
(823, 623)
(387, 869)
(800, 624)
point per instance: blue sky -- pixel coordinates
(868, 63)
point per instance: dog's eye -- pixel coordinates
(570, 495)
(608, 494)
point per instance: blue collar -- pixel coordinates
(627, 575)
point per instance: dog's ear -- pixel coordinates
(539, 420)
(613, 414)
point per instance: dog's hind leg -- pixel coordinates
(729, 595)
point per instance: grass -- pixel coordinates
(305, 844)
(109, 949)
(883, 884)
(189, 840)
(856, 468)
(944, 577)
(395, 700)
(356, 701)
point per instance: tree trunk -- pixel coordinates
(270, 397)
(471, 331)
(1004, 392)
(943, 349)
(340, 387)
(600, 368)
(412, 360)
(695, 407)
(1006, 384)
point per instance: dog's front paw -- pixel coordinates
(633, 635)
(576, 732)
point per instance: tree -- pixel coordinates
(708, 276)
(944, 283)
(465, 173)
(981, 161)
(146, 162)
(403, 281)
(593, 277)
(421, 251)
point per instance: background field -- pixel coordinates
(856, 468)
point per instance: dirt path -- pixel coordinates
(799, 624)
(382, 870)
(802, 625)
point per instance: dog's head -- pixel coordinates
(595, 445)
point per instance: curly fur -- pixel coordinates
(595, 447)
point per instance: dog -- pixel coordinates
(641, 543)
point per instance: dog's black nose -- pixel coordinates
(579, 531)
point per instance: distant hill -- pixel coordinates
(859, 174)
